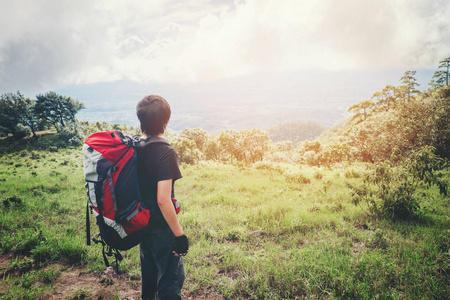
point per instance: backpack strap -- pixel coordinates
(150, 142)
(109, 251)
(88, 225)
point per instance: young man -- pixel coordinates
(161, 251)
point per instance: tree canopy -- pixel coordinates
(50, 109)
(57, 110)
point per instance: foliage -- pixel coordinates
(16, 109)
(394, 192)
(56, 109)
(334, 153)
(407, 125)
(440, 77)
(70, 135)
(199, 136)
(386, 98)
(186, 149)
(212, 149)
(7, 114)
(439, 132)
(362, 109)
(247, 145)
(21, 131)
(22, 116)
(408, 88)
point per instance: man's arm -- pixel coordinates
(164, 196)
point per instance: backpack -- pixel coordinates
(114, 198)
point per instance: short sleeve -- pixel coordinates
(168, 167)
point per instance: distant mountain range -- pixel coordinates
(262, 101)
(296, 132)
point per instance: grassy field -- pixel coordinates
(262, 231)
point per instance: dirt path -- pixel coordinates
(76, 283)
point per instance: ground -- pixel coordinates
(76, 282)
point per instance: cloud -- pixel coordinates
(276, 36)
(46, 42)
(49, 43)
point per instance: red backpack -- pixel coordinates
(110, 171)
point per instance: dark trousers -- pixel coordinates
(162, 272)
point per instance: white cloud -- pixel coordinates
(51, 42)
(267, 36)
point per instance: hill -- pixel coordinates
(263, 231)
(296, 132)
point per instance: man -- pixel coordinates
(161, 251)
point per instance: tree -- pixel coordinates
(409, 84)
(212, 149)
(16, 109)
(315, 146)
(440, 130)
(441, 77)
(362, 109)
(57, 109)
(255, 144)
(26, 115)
(284, 146)
(230, 142)
(8, 114)
(186, 149)
(334, 153)
(386, 98)
(198, 135)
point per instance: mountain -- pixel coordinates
(296, 131)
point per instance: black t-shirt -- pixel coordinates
(156, 163)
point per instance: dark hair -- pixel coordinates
(154, 113)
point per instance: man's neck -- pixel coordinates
(150, 136)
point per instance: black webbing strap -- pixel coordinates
(104, 256)
(88, 225)
(109, 251)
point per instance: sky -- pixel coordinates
(216, 60)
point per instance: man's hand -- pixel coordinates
(181, 246)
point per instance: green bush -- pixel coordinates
(22, 131)
(392, 192)
(23, 153)
(70, 135)
(75, 140)
(296, 177)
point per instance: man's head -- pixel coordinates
(154, 113)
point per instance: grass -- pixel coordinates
(262, 231)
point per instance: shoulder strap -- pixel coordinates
(137, 143)
(152, 141)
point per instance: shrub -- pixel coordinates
(4, 131)
(269, 166)
(12, 201)
(392, 192)
(22, 131)
(352, 174)
(295, 177)
(75, 140)
(23, 153)
(318, 175)
(70, 135)
(35, 155)
(53, 149)
(311, 158)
